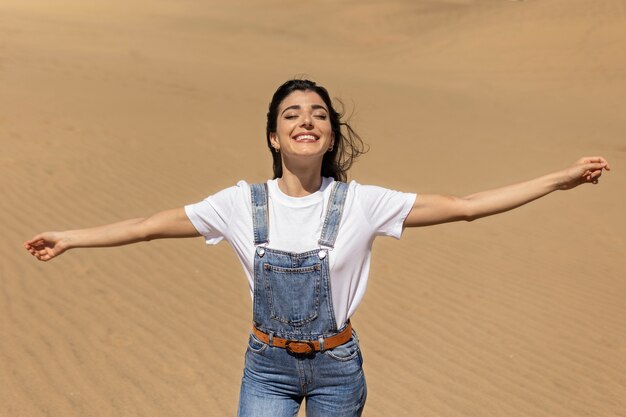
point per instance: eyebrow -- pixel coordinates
(298, 107)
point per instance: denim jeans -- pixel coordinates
(275, 382)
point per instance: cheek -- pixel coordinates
(285, 127)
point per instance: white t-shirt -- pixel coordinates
(295, 225)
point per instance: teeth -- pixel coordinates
(306, 137)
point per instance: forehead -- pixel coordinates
(304, 99)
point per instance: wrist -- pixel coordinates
(67, 240)
(560, 180)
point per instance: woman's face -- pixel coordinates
(303, 127)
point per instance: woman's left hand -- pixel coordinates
(585, 170)
(430, 209)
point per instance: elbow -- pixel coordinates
(467, 212)
(142, 231)
(470, 215)
(154, 227)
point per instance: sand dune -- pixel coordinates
(111, 110)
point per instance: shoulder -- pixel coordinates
(226, 199)
(383, 207)
(367, 191)
(217, 216)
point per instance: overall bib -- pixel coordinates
(293, 301)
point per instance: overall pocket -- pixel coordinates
(293, 293)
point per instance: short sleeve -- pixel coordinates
(212, 215)
(384, 209)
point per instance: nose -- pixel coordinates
(307, 121)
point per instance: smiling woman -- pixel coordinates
(303, 101)
(303, 128)
(304, 239)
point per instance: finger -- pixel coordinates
(41, 257)
(37, 247)
(31, 250)
(587, 159)
(594, 166)
(595, 175)
(596, 159)
(37, 239)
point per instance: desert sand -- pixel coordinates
(118, 109)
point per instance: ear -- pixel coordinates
(274, 140)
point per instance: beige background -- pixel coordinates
(117, 109)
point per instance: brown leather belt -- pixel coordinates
(306, 347)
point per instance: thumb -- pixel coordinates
(39, 240)
(34, 241)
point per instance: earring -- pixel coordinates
(331, 148)
(276, 150)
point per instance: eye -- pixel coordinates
(321, 116)
(291, 116)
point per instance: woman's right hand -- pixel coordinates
(46, 246)
(165, 224)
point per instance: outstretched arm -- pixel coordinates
(165, 224)
(430, 209)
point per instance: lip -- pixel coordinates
(314, 135)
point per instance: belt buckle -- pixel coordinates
(300, 347)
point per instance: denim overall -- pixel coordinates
(292, 300)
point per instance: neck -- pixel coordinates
(301, 182)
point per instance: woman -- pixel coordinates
(305, 241)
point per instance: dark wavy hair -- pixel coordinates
(348, 145)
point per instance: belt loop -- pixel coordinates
(271, 341)
(321, 340)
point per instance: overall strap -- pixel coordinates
(260, 216)
(334, 212)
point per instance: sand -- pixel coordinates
(118, 109)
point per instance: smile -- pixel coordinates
(306, 137)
